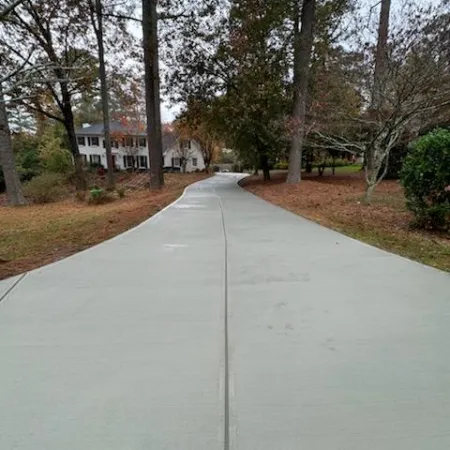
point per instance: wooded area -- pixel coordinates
(280, 83)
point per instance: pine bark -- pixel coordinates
(378, 93)
(264, 162)
(69, 125)
(303, 43)
(152, 92)
(14, 192)
(104, 94)
(381, 56)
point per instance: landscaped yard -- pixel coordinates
(335, 202)
(35, 235)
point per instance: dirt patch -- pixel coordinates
(35, 235)
(336, 202)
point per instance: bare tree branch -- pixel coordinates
(160, 16)
(9, 8)
(18, 70)
(42, 111)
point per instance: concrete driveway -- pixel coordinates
(226, 323)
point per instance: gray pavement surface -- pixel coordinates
(329, 344)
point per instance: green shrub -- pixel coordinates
(328, 162)
(98, 196)
(93, 167)
(28, 164)
(342, 162)
(45, 188)
(282, 165)
(54, 158)
(426, 179)
(25, 148)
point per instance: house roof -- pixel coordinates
(169, 134)
(97, 129)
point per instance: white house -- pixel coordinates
(129, 148)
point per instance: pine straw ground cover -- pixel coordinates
(35, 235)
(335, 202)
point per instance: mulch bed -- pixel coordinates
(336, 202)
(34, 235)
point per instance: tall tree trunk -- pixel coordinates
(14, 193)
(303, 42)
(381, 57)
(309, 161)
(69, 125)
(152, 94)
(264, 161)
(379, 79)
(104, 92)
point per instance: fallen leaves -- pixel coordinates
(35, 235)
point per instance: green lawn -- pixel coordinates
(354, 168)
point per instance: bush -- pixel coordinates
(54, 158)
(28, 164)
(328, 162)
(426, 179)
(93, 167)
(282, 165)
(98, 196)
(45, 188)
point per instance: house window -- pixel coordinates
(142, 142)
(93, 141)
(176, 162)
(143, 162)
(113, 144)
(81, 140)
(129, 141)
(94, 159)
(128, 161)
(194, 162)
(185, 144)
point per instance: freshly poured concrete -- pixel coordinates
(333, 345)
